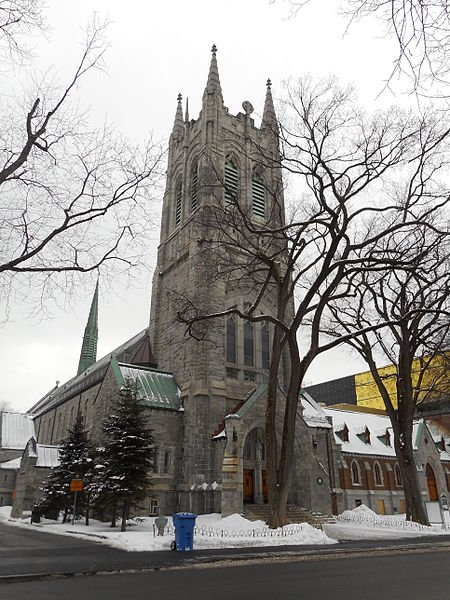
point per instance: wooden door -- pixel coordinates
(402, 506)
(264, 486)
(381, 507)
(248, 485)
(431, 482)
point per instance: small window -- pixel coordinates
(259, 207)
(231, 181)
(153, 507)
(167, 454)
(249, 358)
(155, 460)
(231, 339)
(388, 438)
(178, 202)
(194, 188)
(265, 352)
(247, 449)
(398, 476)
(378, 474)
(356, 473)
(5, 478)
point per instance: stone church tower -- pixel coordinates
(214, 160)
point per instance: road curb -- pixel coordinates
(237, 559)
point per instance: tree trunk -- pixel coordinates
(88, 508)
(124, 516)
(415, 509)
(114, 514)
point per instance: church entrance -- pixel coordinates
(431, 482)
(254, 468)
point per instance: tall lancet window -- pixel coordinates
(231, 339)
(265, 353)
(231, 181)
(249, 347)
(258, 198)
(194, 187)
(178, 202)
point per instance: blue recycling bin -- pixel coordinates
(184, 524)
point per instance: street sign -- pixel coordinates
(76, 485)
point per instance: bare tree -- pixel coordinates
(421, 29)
(341, 158)
(73, 199)
(412, 300)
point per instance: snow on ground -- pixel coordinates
(211, 532)
(237, 532)
(363, 523)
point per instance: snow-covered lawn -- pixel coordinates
(211, 532)
(363, 523)
(237, 532)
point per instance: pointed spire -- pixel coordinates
(88, 354)
(213, 83)
(186, 114)
(178, 125)
(269, 120)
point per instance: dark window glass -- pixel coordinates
(265, 353)
(249, 358)
(231, 340)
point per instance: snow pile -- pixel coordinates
(362, 511)
(211, 532)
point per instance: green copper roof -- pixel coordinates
(88, 354)
(158, 388)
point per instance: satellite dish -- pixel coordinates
(247, 106)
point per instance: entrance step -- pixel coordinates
(294, 514)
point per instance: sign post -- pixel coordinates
(76, 485)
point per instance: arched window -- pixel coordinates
(71, 418)
(231, 339)
(247, 449)
(356, 473)
(231, 181)
(194, 187)
(258, 199)
(265, 352)
(378, 474)
(249, 352)
(86, 408)
(398, 476)
(167, 461)
(59, 435)
(178, 202)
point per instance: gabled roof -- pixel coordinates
(137, 349)
(16, 430)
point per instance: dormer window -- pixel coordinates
(342, 432)
(388, 438)
(231, 181)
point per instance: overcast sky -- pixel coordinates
(158, 49)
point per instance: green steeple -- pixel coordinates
(88, 354)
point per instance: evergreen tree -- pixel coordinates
(75, 462)
(127, 457)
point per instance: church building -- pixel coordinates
(205, 398)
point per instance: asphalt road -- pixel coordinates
(403, 577)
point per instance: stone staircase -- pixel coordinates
(294, 514)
